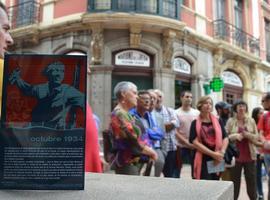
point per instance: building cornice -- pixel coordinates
(147, 23)
(118, 20)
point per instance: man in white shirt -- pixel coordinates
(170, 123)
(186, 114)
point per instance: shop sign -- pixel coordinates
(181, 65)
(132, 58)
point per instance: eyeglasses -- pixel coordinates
(145, 99)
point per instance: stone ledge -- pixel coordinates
(120, 187)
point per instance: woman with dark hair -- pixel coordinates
(256, 113)
(209, 139)
(242, 130)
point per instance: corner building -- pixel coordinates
(171, 45)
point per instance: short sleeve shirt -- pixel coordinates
(208, 128)
(264, 125)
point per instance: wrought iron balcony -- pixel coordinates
(166, 8)
(230, 33)
(24, 14)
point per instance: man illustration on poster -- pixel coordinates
(55, 100)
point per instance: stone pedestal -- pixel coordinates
(120, 187)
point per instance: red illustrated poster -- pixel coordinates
(43, 122)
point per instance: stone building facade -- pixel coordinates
(171, 45)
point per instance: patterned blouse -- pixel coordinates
(127, 137)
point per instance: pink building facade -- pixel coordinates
(172, 45)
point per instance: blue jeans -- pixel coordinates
(267, 164)
(259, 175)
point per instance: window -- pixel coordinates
(238, 10)
(230, 98)
(220, 9)
(233, 87)
(76, 53)
(231, 78)
(267, 39)
(239, 36)
(149, 6)
(169, 8)
(127, 5)
(166, 8)
(220, 17)
(102, 5)
(24, 12)
(181, 65)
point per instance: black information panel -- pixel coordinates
(43, 117)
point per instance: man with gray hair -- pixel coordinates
(54, 98)
(170, 124)
(157, 124)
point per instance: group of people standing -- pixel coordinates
(146, 133)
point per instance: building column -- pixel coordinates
(167, 45)
(164, 76)
(97, 44)
(165, 81)
(135, 35)
(99, 92)
(100, 79)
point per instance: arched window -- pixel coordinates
(132, 65)
(76, 52)
(231, 78)
(182, 79)
(181, 65)
(233, 87)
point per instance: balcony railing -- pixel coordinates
(24, 14)
(230, 33)
(166, 8)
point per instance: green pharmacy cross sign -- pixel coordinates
(216, 84)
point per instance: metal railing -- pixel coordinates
(166, 8)
(230, 33)
(24, 14)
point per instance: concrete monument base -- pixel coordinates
(120, 187)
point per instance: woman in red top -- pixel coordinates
(209, 138)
